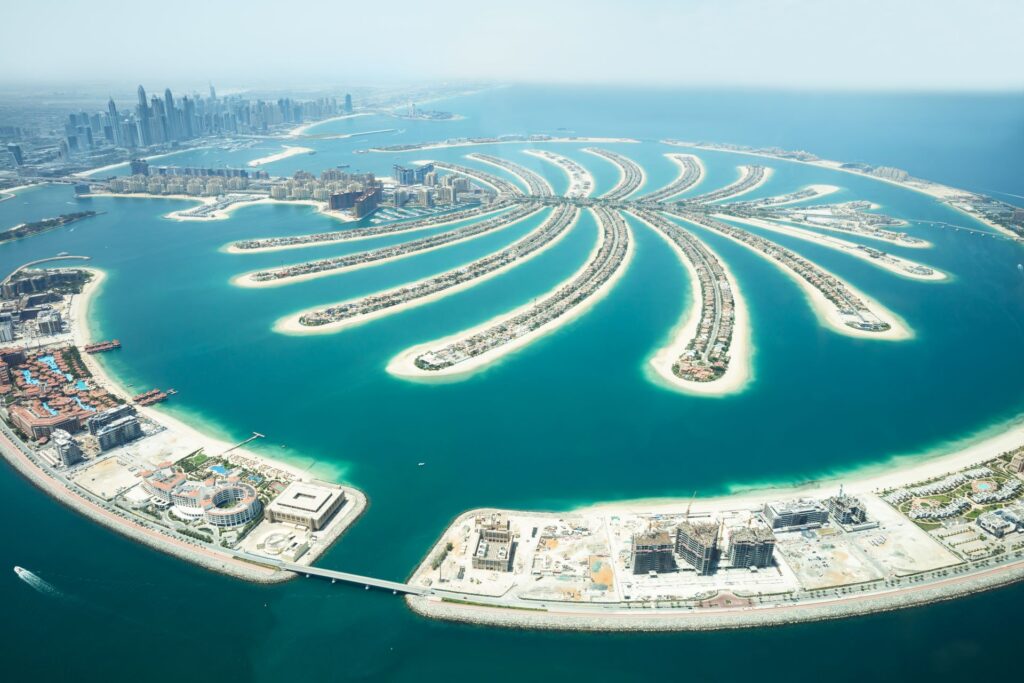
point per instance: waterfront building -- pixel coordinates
(1016, 463)
(366, 203)
(348, 103)
(846, 510)
(796, 514)
(67, 449)
(104, 418)
(37, 423)
(996, 524)
(697, 543)
(16, 154)
(306, 504)
(139, 167)
(160, 483)
(119, 432)
(6, 327)
(224, 503)
(651, 551)
(49, 322)
(403, 175)
(751, 547)
(343, 200)
(494, 549)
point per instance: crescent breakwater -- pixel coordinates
(338, 316)
(472, 349)
(373, 257)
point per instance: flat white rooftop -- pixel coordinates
(303, 497)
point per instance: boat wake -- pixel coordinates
(37, 583)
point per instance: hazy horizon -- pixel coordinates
(790, 44)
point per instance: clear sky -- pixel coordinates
(848, 44)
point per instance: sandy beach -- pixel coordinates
(740, 370)
(289, 151)
(892, 263)
(221, 214)
(403, 364)
(290, 324)
(153, 157)
(306, 127)
(11, 192)
(190, 436)
(247, 279)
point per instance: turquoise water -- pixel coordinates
(569, 420)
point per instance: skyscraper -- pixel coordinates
(213, 93)
(171, 113)
(348, 103)
(115, 122)
(145, 135)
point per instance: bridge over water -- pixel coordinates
(333, 575)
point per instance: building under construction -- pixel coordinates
(697, 543)
(652, 552)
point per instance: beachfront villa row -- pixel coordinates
(632, 174)
(580, 184)
(706, 356)
(537, 185)
(503, 187)
(474, 211)
(752, 175)
(607, 261)
(690, 174)
(551, 228)
(855, 312)
(398, 250)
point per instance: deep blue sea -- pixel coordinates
(569, 420)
